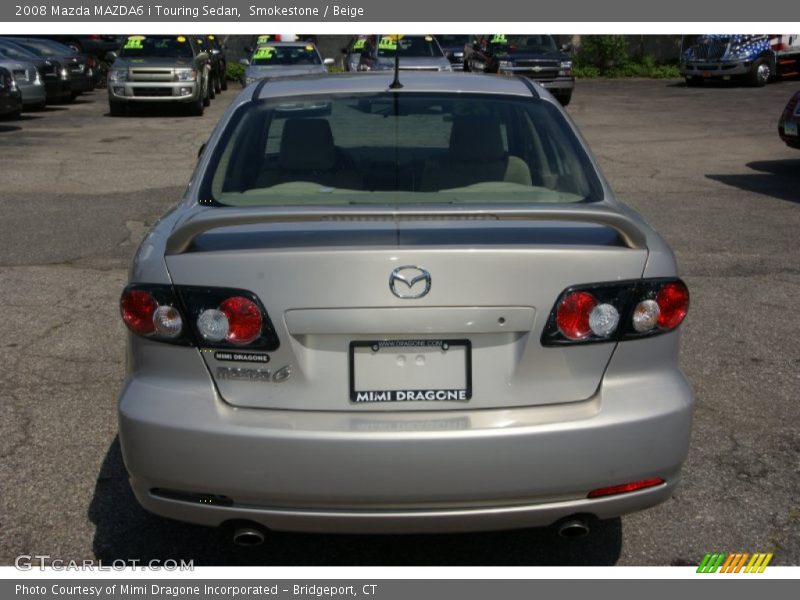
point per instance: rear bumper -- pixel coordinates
(405, 471)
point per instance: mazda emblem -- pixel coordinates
(409, 282)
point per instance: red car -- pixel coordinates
(789, 124)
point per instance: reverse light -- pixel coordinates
(168, 321)
(212, 324)
(603, 320)
(625, 488)
(645, 315)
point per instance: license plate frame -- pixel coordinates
(382, 396)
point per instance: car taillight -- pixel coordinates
(137, 308)
(625, 488)
(673, 302)
(604, 312)
(194, 316)
(244, 319)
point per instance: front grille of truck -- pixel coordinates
(712, 50)
(151, 75)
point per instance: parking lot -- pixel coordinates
(78, 189)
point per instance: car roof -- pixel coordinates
(354, 83)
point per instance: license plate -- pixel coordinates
(410, 370)
(790, 128)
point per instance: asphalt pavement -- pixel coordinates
(78, 189)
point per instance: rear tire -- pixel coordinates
(217, 85)
(212, 92)
(224, 83)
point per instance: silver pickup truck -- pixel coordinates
(159, 68)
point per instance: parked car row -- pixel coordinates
(189, 70)
(536, 57)
(45, 71)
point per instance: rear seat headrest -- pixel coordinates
(307, 145)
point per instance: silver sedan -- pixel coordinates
(421, 310)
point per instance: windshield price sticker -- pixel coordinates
(134, 42)
(265, 52)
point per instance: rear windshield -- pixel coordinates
(408, 45)
(394, 148)
(166, 46)
(539, 44)
(285, 55)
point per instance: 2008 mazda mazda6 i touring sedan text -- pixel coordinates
(401, 309)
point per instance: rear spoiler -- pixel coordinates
(214, 218)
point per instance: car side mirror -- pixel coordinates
(328, 62)
(566, 47)
(244, 61)
(111, 56)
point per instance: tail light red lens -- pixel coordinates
(137, 308)
(625, 488)
(573, 315)
(673, 300)
(244, 320)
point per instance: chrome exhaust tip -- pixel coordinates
(248, 537)
(573, 528)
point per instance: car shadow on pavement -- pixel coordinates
(777, 178)
(125, 531)
(9, 128)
